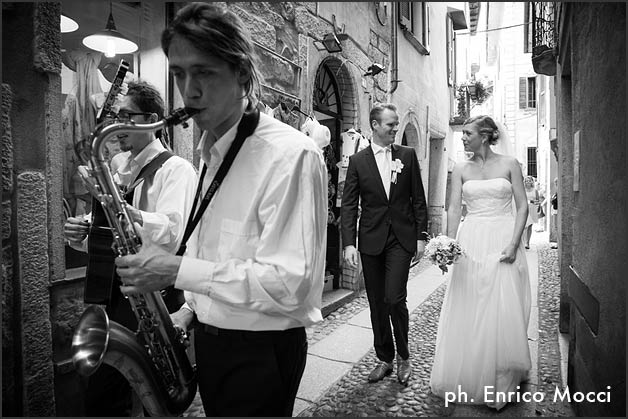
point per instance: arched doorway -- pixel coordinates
(334, 106)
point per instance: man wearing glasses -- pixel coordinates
(159, 202)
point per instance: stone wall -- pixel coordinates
(9, 347)
(592, 199)
(31, 227)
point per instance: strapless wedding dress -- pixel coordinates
(482, 344)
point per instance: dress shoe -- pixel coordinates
(404, 368)
(380, 371)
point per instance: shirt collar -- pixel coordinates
(379, 149)
(129, 166)
(221, 146)
(148, 153)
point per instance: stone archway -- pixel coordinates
(334, 105)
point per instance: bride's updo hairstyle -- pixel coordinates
(485, 125)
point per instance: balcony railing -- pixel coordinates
(544, 37)
(467, 96)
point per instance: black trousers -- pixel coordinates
(386, 279)
(247, 373)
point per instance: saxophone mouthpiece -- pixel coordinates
(180, 116)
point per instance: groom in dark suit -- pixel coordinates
(385, 181)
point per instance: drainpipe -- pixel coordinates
(394, 70)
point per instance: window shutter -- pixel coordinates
(405, 15)
(523, 93)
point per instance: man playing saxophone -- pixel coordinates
(159, 198)
(253, 270)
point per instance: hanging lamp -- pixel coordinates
(68, 24)
(110, 41)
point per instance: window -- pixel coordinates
(414, 18)
(527, 27)
(527, 92)
(532, 161)
(405, 15)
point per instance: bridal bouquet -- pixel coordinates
(443, 251)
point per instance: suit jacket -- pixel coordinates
(405, 211)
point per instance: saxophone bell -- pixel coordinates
(90, 342)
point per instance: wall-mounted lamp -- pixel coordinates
(331, 42)
(68, 24)
(109, 40)
(374, 69)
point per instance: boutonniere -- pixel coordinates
(395, 168)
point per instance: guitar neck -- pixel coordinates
(116, 86)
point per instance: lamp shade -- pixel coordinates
(110, 41)
(68, 24)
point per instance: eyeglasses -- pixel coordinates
(126, 116)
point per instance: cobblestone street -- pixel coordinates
(352, 395)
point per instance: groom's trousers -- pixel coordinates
(386, 279)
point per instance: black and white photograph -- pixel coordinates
(300, 209)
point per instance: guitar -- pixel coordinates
(100, 265)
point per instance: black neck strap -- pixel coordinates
(247, 125)
(147, 171)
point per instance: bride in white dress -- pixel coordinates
(482, 347)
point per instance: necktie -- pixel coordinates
(386, 172)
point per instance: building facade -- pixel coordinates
(582, 45)
(498, 57)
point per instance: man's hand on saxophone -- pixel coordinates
(151, 269)
(183, 318)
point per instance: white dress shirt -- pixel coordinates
(383, 158)
(164, 200)
(256, 259)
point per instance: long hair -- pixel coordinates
(217, 31)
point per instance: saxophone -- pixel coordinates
(153, 359)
